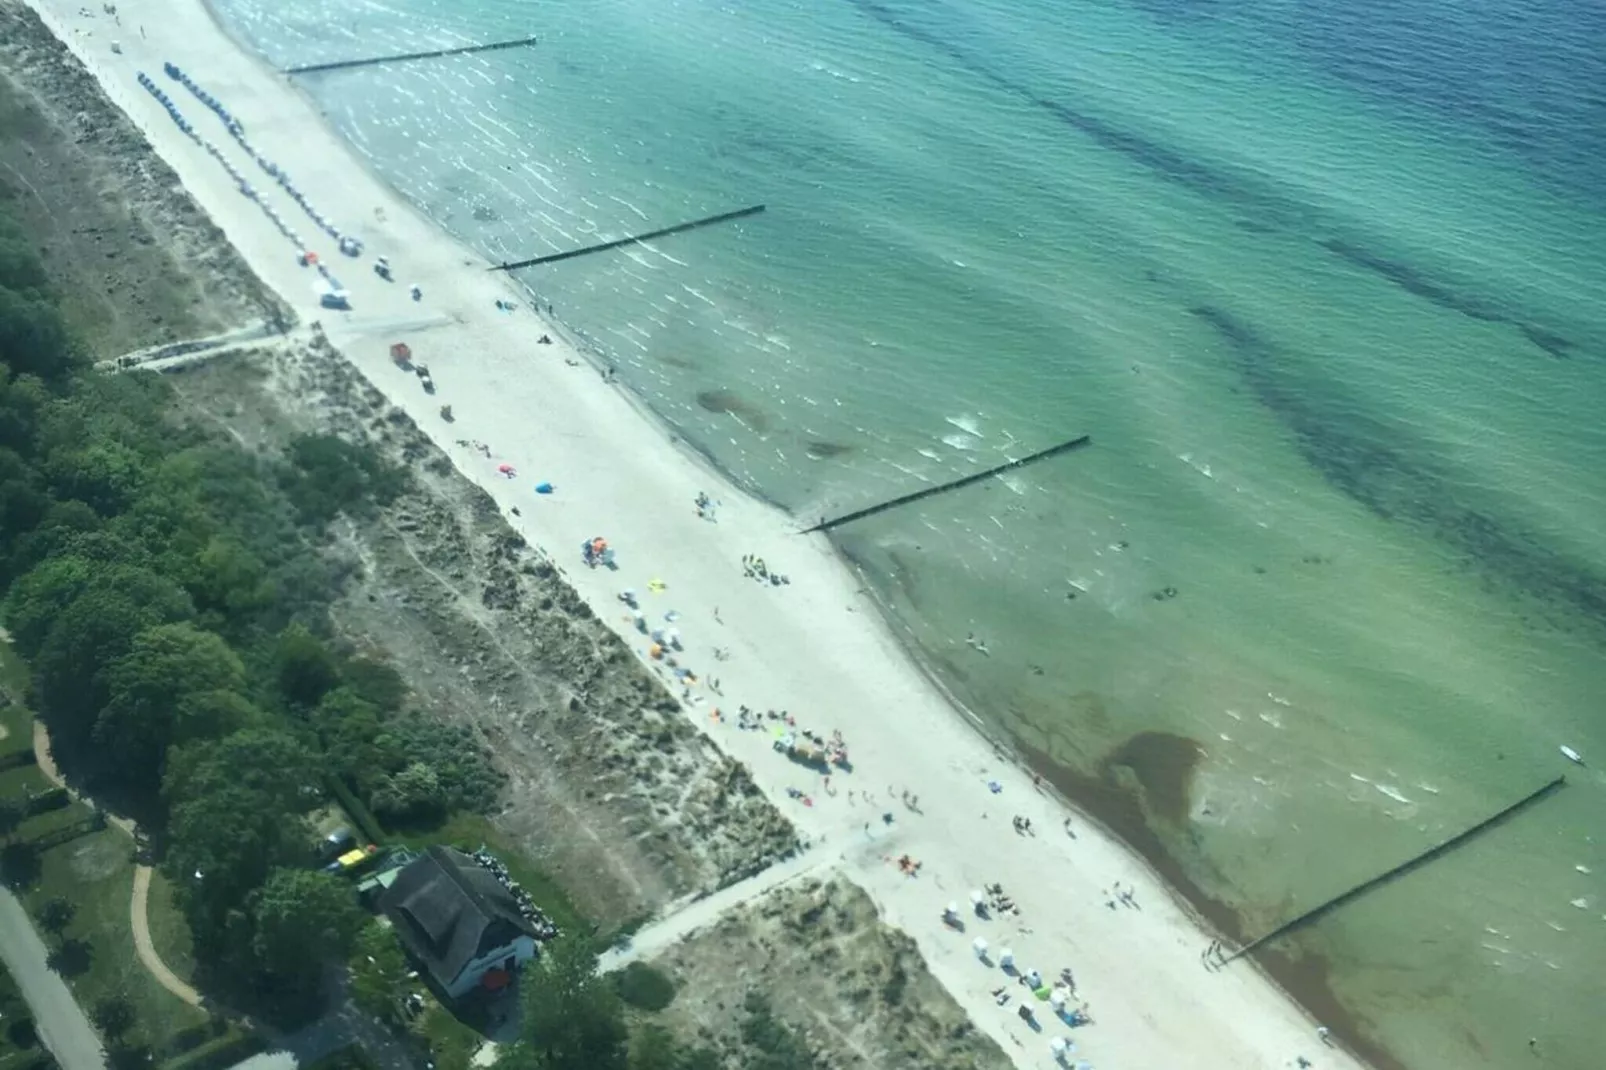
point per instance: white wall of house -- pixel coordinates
(522, 950)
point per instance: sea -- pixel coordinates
(1325, 282)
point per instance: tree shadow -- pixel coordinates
(19, 864)
(71, 958)
(20, 1032)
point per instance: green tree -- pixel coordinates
(104, 475)
(95, 629)
(411, 794)
(113, 1016)
(38, 598)
(230, 580)
(152, 694)
(304, 667)
(236, 809)
(350, 729)
(32, 336)
(222, 844)
(303, 919)
(378, 971)
(269, 762)
(56, 913)
(327, 476)
(572, 1019)
(59, 529)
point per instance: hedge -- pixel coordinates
(235, 1045)
(359, 814)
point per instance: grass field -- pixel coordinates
(96, 873)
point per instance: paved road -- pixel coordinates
(57, 1016)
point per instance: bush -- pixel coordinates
(234, 1046)
(463, 777)
(645, 987)
(328, 476)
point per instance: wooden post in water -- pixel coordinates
(678, 228)
(963, 481)
(1438, 850)
(374, 61)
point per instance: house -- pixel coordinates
(458, 920)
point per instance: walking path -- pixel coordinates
(138, 905)
(688, 916)
(139, 919)
(57, 1016)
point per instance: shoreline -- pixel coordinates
(834, 571)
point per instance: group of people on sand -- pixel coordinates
(754, 568)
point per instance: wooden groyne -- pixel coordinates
(1438, 850)
(678, 228)
(405, 57)
(963, 481)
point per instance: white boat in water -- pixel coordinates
(1572, 755)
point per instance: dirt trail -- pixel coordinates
(137, 907)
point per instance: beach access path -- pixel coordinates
(817, 647)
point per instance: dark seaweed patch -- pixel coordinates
(1384, 467)
(728, 401)
(1273, 208)
(1164, 764)
(1416, 283)
(821, 451)
(1412, 281)
(1168, 162)
(1554, 344)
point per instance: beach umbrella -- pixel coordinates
(1056, 999)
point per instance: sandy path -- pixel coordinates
(816, 647)
(147, 950)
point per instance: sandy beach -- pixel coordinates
(815, 647)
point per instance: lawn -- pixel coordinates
(96, 873)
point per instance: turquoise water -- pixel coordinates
(1323, 281)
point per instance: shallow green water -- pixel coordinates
(1323, 282)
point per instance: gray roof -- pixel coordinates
(449, 910)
